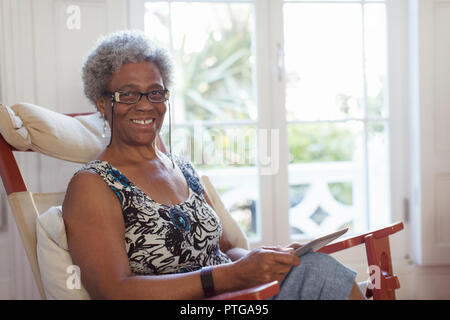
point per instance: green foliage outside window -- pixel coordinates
(217, 82)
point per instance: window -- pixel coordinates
(313, 72)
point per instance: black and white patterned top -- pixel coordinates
(162, 239)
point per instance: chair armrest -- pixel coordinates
(357, 240)
(261, 292)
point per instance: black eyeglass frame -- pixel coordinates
(115, 95)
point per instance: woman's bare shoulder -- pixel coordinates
(87, 192)
(85, 182)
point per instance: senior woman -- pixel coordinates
(139, 223)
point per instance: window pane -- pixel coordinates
(323, 57)
(335, 56)
(322, 142)
(375, 45)
(212, 44)
(326, 177)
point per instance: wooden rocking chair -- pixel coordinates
(27, 206)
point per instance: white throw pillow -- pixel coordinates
(60, 278)
(77, 139)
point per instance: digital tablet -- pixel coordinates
(318, 243)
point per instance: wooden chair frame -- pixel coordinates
(376, 242)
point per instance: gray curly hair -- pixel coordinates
(117, 49)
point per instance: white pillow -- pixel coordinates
(77, 139)
(60, 278)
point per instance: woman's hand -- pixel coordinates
(263, 265)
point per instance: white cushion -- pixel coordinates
(60, 278)
(77, 139)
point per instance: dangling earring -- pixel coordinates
(105, 126)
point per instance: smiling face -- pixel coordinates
(135, 124)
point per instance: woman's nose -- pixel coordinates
(145, 104)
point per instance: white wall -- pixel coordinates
(429, 96)
(46, 44)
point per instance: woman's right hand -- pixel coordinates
(263, 265)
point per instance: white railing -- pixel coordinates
(318, 176)
(242, 184)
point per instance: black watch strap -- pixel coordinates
(207, 281)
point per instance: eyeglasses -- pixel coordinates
(132, 97)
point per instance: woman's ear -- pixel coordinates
(101, 104)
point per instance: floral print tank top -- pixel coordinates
(163, 239)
